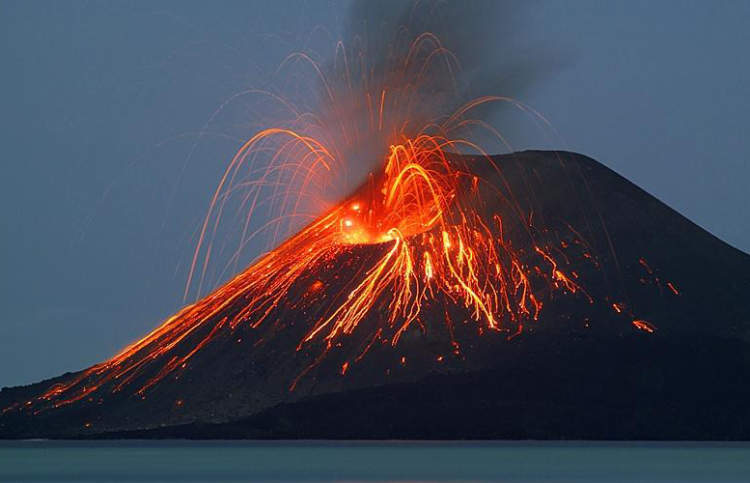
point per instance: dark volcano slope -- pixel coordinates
(582, 371)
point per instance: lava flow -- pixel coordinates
(438, 243)
(423, 208)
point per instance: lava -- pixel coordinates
(438, 245)
(423, 209)
(644, 326)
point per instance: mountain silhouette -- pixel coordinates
(650, 341)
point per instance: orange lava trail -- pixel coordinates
(423, 208)
(438, 245)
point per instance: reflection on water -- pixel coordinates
(379, 461)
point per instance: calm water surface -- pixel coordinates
(384, 461)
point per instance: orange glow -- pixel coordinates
(437, 246)
(433, 239)
(644, 326)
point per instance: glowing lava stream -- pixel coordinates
(437, 241)
(425, 211)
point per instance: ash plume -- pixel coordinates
(473, 49)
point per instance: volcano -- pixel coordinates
(617, 318)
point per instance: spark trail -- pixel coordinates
(439, 244)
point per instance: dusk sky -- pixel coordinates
(106, 178)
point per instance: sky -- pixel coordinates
(109, 158)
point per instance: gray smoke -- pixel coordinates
(490, 58)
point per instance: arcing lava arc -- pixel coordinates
(439, 246)
(439, 258)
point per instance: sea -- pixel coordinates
(384, 461)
